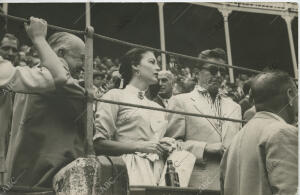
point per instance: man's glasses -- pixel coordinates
(214, 70)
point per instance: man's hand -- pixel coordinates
(36, 29)
(215, 148)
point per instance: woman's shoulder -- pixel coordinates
(113, 93)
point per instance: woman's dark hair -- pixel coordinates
(132, 57)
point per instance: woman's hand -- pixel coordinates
(168, 143)
(150, 147)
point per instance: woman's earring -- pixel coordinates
(138, 74)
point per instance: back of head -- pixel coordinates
(269, 90)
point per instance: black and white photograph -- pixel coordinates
(148, 98)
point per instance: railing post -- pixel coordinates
(5, 11)
(288, 20)
(88, 84)
(162, 34)
(225, 13)
(87, 14)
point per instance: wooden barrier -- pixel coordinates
(159, 190)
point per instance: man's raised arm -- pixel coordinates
(37, 31)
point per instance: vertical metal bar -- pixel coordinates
(288, 20)
(5, 11)
(88, 83)
(226, 12)
(162, 33)
(87, 14)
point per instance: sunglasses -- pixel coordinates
(214, 70)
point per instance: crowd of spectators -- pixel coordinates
(106, 75)
(57, 133)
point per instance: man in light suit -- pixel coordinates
(205, 138)
(263, 157)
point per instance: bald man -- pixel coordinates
(25, 79)
(47, 132)
(263, 157)
(166, 83)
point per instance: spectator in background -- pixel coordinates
(245, 103)
(23, 55)
(99, 82)
(22, 58)
(97, 60)
(108, 63)
(239, 87)
(117, 63)
(115, 80)
(232, 92)
(227, 78)
(189, 84)
(179, 85)
(159, 60)
(98, 65)
(166, 83)
(187, 72)
(172, 63)
(244, 77)
(81, 77)
(25, 48)
(205, 138)
(195, 72)
(33, 57)
(9, 48)
(263, 157)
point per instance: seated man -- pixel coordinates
(46, 132)
(204, 137)
(263, 157)
(21, 79)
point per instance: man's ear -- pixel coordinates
(61, 53)
(290, 95)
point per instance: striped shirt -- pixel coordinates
(215, 106)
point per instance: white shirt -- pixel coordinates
(126, 123)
